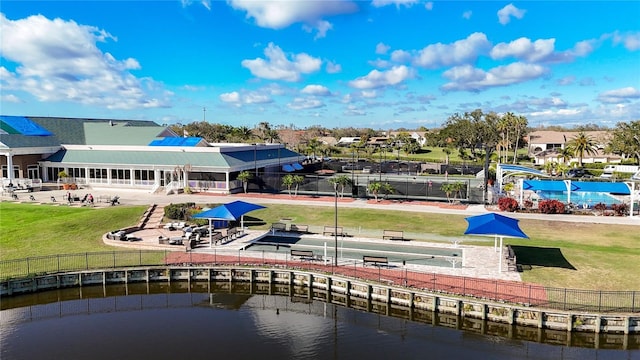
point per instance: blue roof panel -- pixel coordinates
(176, 141)
(24, 126)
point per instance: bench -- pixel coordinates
(393, 235)
(375, 260)
(332, 230)
(278, 227)
(303, 254)
(512, 264)
(299, 228)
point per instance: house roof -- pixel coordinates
(20, 132)
(561, 137)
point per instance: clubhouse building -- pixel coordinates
(133, 154)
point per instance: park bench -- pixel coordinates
(393, 235)
(375, 260)
(299, 228)
(511, 259)
(332, 230)
(278, 227)
(303, 254)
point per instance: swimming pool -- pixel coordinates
(580, 198)
(395, 252)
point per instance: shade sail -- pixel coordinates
(493, 224)
(496, 225)
(231, 211)
(297, 166)
(288, 168)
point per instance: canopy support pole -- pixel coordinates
(500, 257)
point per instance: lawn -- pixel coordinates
(561, 254)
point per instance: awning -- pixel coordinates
(288, 168)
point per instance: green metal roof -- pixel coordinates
(72, 131)
(105, 133)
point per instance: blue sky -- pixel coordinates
(381, 64)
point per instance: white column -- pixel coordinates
(10, 167)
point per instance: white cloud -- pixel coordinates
(320, 26)
(333, 68)
(539, 51)
(468, 78)
(524, 49)
(377, 79)
(246, 97)
(369, 94)
(617, 96)
(10, 98)
(467, 14)
(397, 3)
(630, 40)
(317, 90)
(232, 97)
(505, 14)
(58, 60)
(278, 67)
(460, 52)
(305, 104)
(382, 48)
(205, 3)
(400, 56)
(428, 5)
(277, 14)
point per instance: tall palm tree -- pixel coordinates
(520, 125)
(582, 144)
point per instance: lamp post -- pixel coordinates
(335, 231)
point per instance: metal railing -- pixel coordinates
(598, 301)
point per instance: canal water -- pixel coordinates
(166, 322)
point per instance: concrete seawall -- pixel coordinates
(353, 293)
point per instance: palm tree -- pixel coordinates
(342, 181)
(452, 188)
(520, 124)
(565, 154)
(290, 181)
(582, 144)
(245, 176)
(375, 187)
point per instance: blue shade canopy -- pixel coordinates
(297, 166)
(231, 211)
(288, 168)
(493, 224)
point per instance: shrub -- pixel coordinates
(528, 204)
(178, 211)
(507, 204)
(551, 207)
(620, 209)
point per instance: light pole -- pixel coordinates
(335, 231)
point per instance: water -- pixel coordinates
(582, 199)
(189, 325)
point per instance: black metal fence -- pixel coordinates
(489, 289)
(405, 187)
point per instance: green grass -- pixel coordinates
(28, 230)
(603, 257)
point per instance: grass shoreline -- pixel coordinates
(565, 255)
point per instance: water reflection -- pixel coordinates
(241, 321)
